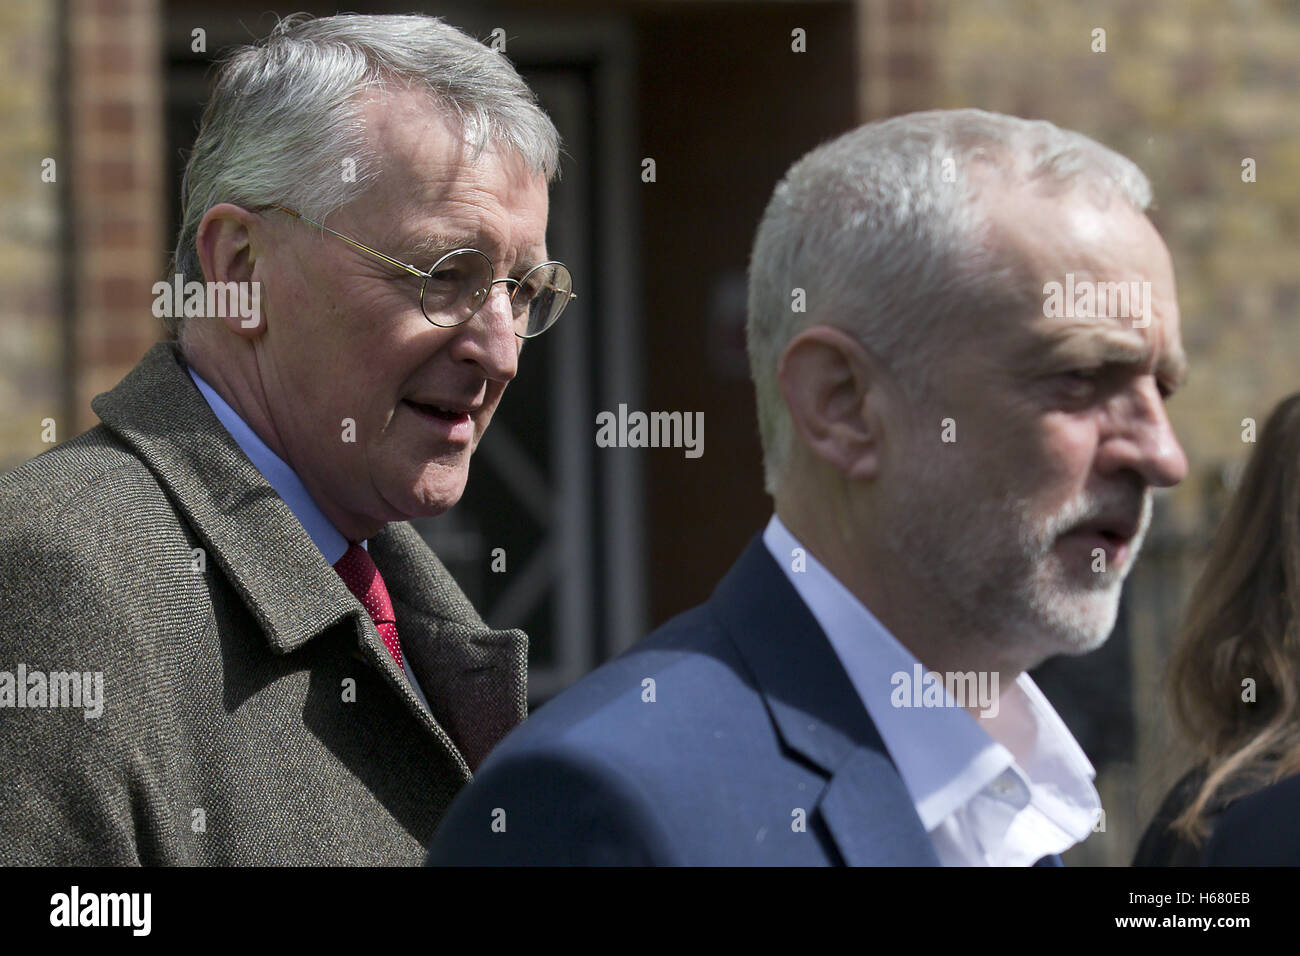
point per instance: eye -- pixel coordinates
(1081, 381)
(450, 274)
(531, 287)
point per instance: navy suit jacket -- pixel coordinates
(730, 736)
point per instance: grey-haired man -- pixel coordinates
(961, 454)
(288, 673)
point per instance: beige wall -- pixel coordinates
(31, 339)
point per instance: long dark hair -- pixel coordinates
(1242, 623)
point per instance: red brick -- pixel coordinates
(110, 175)
(115, 59)
(112, 117)
(907, 11)
(117, 293)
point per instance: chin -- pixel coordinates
(429, 503)
(433, 492)
(1081, 622)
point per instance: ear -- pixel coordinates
(831, 389)
(228, 253)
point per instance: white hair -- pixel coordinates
(285, 114)
(882, 230)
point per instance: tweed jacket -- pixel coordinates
(250, 712)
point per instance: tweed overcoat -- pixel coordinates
(250, 712)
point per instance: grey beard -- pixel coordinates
(992, 576)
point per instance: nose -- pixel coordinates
(488, 339)
(1142, 439)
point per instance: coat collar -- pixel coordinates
(474, 677)
(817, 713)
(245, 527)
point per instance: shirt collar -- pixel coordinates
(943, 754)
(278, 474)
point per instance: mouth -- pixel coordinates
(1112, 536)
(447, 412)
(454, 423)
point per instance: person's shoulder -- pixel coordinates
(65, 475)
(92, 483)
(88, 494)
(682, 675)
(1261, 828)
(60, 503)
(1161, 845)
(665, 755)
(668, 754)
(1258, 828)
(91, 550)
(681, 697)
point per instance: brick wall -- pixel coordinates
(119, 185)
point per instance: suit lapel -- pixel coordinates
(866, 807)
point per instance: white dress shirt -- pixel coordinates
(288, 486)
(1000, 790)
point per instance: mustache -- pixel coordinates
(1132, 506)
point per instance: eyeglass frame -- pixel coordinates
(426, 276)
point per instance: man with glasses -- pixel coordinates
(455, 287)
(288, 674)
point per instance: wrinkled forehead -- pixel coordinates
(422, 145)
(432, 180)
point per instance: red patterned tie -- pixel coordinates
(363, 579)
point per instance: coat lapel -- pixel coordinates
(247, 530)
(473, 677)
(866, 807)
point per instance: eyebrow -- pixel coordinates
(1111, 347)
(423, 252)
